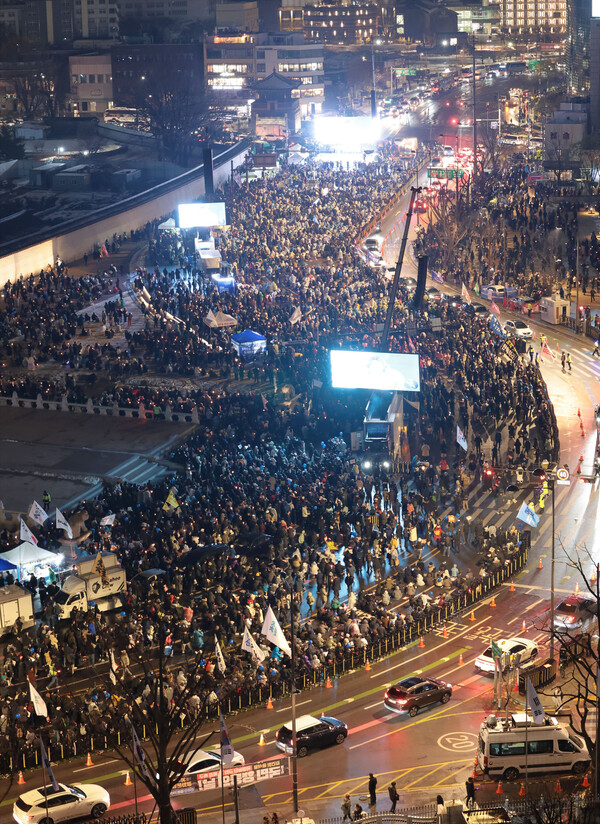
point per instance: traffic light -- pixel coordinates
(488, 477)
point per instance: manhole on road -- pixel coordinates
(458, 741)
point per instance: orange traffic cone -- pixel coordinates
(578, 412)
(523, 626)
(445, 632)
(499, 790)
(557, 347)
(261, 741)
(460, 660)
(89, 762)
(512, 586)
(578, 470)
(576, 589)
(586, 782)
(475, 768)
(492, 602)
(522, 790)
(368, 666)
(421, 643)
(540, 565)
(128, 782)
(558, 788)
(328, 684)
(472, 615)
(20, 779)
(269, 703)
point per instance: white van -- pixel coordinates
(550, 747)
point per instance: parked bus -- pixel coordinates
(121, 116)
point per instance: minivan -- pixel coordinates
(550, 747)
(311, 734)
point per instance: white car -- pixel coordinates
(519, 329)
(71, 801)
(203, 761)
(512, 646)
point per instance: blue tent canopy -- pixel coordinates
(248, 343)
(5, 565)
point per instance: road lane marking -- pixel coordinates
(331, 787)
(298, 704)
(421, 778)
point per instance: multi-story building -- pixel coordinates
(240, 17)
(541, 18)
(203, 10)
(138, 67)
(476, 16)
(91, 87)
(234, 63)
(579, 14)
(291, 15)
(96, 19)
(342, 24)
(275, 112)
(48, 21)
(11, 15)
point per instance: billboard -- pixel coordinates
(247, 775)
(374, 370)
(194, 215)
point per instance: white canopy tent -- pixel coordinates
(27, 556)
(219, 320)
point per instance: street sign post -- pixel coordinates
(563, 476)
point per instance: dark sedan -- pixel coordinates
(415, 693)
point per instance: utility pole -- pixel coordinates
(474, 118)
(373, 92)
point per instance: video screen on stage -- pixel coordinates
(196, 215)
(387, 371)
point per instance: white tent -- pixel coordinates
(210, 320)
(296, 159)
(225, 320)
(26, 556)
(169, 223)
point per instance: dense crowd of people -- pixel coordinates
(271, 505)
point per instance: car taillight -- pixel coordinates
(569, 619)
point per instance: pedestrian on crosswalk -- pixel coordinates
(563, 360)
(569, 361)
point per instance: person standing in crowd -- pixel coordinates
(372, 790)
(394, 797)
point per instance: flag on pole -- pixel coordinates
(48, 768)
(250, 645)
(494, 308)
(100, 569)
(171, 502)
(113, 667)
(62, 523)
(496, 327)
(264, 402)
(464, 294)
(460, 438)
(476, 288)
(227, 751)
(547, 351)
(108, 520)
(527, 515)
(37, 513)
(220, 658)
(138, 751)
(104, 251)
(26, 534)
(439, 278)
(39, 705)
(296, 316)
(274, 632)
(534, 702)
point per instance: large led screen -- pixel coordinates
(375, 370)
(195, 215)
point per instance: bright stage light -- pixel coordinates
(347, 133)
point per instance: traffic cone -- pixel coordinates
(328, 684)
(421, 643)
(557, 347)
(261, 741)
(128, 782)
(578, 470)
(20, 779)
(523, 626)
(558, 788)
(578, 412)
(586, 782)
(460, 660)
(474, 769)
(445, 632)
(540, 565)
(499, 790)
(472, 615)
(368, 666)
(89, 762)
(512, 586)
(576, 589)
(522, 790)
(269, 703)
(492, 602)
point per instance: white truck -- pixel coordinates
(15, 603)
(87, 587)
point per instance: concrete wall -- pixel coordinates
(79, 237)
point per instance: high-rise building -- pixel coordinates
(11, 15)
(537, 18)
(595, 69)
(96, 19)
(48, 21)
(579, 13)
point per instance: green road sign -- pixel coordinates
(496, 651)
(531, 64)
(405, 72)
(445, 174)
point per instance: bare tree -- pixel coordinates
(169, 712)
(449, 224)
(29, 94)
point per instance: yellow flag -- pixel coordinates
(171, 502)
(99, 568)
